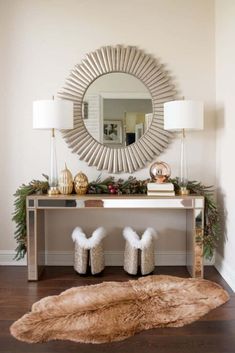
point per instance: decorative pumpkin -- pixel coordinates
(81, 183)
(65, 181)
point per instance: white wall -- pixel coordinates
(225, 83)
(40, 41)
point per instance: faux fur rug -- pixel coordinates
(113, 311)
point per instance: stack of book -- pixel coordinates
(164, 189)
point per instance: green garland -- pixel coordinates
(120, 186)
(19, 215)
(112, 186)
(212, 228)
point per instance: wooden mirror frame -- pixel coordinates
(133, 61)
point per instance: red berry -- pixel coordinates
(110, 186)
(113, 191)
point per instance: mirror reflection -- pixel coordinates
(117, 109)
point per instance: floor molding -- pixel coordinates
(112, 258)
(225, 271)
(7, 259)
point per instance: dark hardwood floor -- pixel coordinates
(214, 333)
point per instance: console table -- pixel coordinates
(37, 204)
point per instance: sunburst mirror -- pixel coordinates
(118, 95)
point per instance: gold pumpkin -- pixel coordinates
(81, 183)
(65, 181)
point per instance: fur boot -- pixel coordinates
(84, 247)
(134, 244)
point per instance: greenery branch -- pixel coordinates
(212, 228)
(112, 186)
(19, 215)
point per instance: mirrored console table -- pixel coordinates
(38, 204)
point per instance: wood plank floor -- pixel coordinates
(214, 333)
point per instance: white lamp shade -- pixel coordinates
(183, 114)
(53, 114)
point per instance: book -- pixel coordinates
(160, 187)
(161, 193)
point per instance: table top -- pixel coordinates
(114, 201)
(109, 196)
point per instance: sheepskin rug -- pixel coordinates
(113, 311)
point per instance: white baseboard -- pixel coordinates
(7, 259)
(225, 270)
(112, 258)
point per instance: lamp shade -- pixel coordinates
(53, 114)
(183, 114)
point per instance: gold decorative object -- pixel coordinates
(81, 183)
(53, 190)
(65, 181)
(160, 172)
(183, 190)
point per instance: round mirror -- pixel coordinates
(116, 109)
(121, 137)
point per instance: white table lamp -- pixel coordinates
(53, 114)
(183, 115)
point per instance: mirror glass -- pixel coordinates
(117, 109)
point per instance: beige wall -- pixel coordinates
(42, 40)
(225, 82)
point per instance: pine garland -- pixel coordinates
(212, 228)
(112, 186)
(19, 215)
(120, 186)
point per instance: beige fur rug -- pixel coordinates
(113, 311)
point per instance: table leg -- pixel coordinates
(35, 243)
(194, 247)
